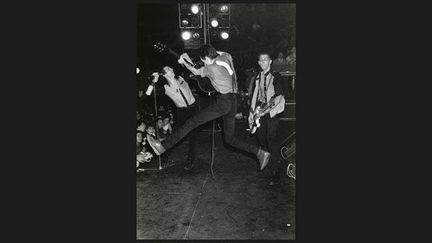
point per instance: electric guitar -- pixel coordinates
(260, 111)
(204, 84)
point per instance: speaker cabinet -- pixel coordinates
(289, 113)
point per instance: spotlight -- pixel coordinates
(190, 16)
(224, 8)
(185, 22)
(195, 36)
(224, 35)
(194, 9)
(214, 23)
(186, 35)
(137, 70)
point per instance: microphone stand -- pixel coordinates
(156, 129)
(156, 126)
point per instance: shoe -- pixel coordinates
(156, 145)
(263, 158)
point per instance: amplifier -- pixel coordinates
(289, 114)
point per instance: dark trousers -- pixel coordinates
(182, 115)
(225, 106)
(267, 139)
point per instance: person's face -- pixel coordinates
(138, 115)
(264, 61)
(166, 120)
(159, 123)
(151, 129)
(139, 137)
(280, 55)
(169, 72)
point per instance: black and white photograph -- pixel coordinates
(215, 121)
(209, 93)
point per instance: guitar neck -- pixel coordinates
(162, 47)
(267, 107)
(178, 56)
(173, 53)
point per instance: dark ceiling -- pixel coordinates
(160, 22)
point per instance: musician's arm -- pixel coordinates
(182, 61)
(192, 69)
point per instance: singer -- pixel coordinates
(218, 67)
(179, 92)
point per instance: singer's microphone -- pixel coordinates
(149, 89)
(151, 75)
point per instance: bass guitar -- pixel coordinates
(204, 84)
(260, 111)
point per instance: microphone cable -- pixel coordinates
(212, 149)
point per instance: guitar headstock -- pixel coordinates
(160, 46)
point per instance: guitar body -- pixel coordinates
(261, 111)
(204, 84)
(255, 124)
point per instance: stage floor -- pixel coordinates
(236, 204)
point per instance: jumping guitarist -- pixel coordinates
(267, 92)
(219, 69)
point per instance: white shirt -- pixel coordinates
(173, 91)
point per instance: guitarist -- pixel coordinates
(219, 69)
(266, 85)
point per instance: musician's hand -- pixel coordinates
(156, 77)
(186, 57)
(140, 158)
(250, 118)
(181, 61)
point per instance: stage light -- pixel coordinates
(224, 8)
(221, 13)
(196, 36)
(190, 16)
(184, 22)
(194, 9)
(224, 35)
(214, 22)
(137, 70)
(186, 35)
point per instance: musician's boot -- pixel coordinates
(263, 158)
(156, 145)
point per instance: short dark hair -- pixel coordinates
(207, 50)
(264, 53)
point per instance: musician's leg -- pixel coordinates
(229, 128)
(273, 143)
(261, 134)
(209, 113)
(193, 139)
